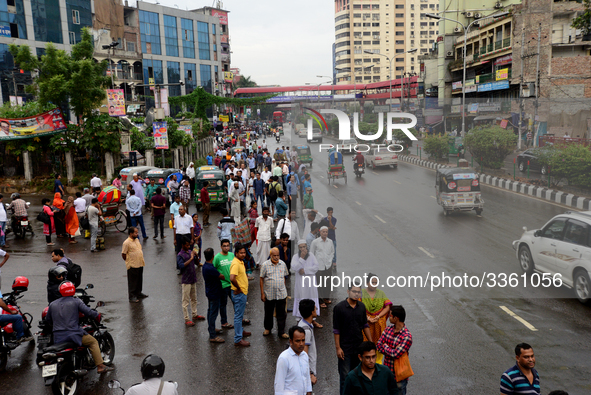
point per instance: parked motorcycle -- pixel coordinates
(357, 169)
(65, 364)
(18, 225)
(8, 341)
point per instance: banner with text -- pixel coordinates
(160, 135)
(49, 122)
(116, 100)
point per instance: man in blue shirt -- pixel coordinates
(281, 206)
(209, 159)
(58, 186)
(259, 190)
(134, 205)
(522, 378)
(214, 291)
(292, 193)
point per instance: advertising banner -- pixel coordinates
(49, 122)
(187, 127)
(116, 100)
(456, 85)
(228, 76)
(5, 31)
(502, 74)
(504, 123)
(160, 135)
(224, 118)
(221, 15)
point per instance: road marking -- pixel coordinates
(375, 173)
(397, 182)
(379, 218)
(358, 203)
(434, 197)
(427, 252)
(518, 318)
(387, 238)
(321, 177)
(335, 186)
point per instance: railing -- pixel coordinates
(126, 75)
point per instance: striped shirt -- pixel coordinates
(513, 381)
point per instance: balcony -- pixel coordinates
(490, 77)
(497, 45)
(128, 76)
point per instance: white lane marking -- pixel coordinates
(358, 203)
(427, 252)
(397, 182)
(379, 218)
(433, 197)
(375, 173)
(518, 318)
(335, 186)
(321, 177)
(387, 238)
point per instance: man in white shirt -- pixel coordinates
(323, 249)
(289, 226)
(263, 224)
(293, 368)
(95, 182)
(264, 145)
(3, 219)
(230, 170)
(134, 205)
(87, 197)
(183, 227)
(265, 175)
(310, 215)
(80, 205)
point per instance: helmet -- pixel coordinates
(44, 313)
(67, 288)
(57, 271)
(152, 366)
(20, 284)
(15, 195)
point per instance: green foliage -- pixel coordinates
(101, 134)
(141, 142)
(436, 146)
(28, 109)
(137, 119)
(571, 163)
(245, 82)
(61, 76)
(401, 136)
(490, 145)
(583, 21)
(66, 140)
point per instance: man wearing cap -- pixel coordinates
(323, 249)
(138, 186)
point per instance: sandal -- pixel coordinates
(217, 340)
(227, 326)
(245, 322)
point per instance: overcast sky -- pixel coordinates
(278, 42)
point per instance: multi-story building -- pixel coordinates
(367, 29)
(179, 45)
(35, 23)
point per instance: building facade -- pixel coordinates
(36, 23)
(366, 30)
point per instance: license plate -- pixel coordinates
(49, 370)
(24, 223)
(43, 339)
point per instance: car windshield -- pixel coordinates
(351, 141)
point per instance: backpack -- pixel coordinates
(273, 191)
(74, 273)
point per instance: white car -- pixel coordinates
(316, 136)
(302, 132)
(560, 248)
(347, 146)
(381, 157)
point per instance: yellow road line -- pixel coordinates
(518, 318)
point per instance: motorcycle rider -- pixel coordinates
(56, 275)
(152, 369)
(19, 208)
(359, 160)
(63, 315)
(14, 318)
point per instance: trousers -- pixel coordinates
(239, 307)
(189, 297)
(139, 219)
(224, 304)
(212, 315)
(206, 209)
(345, 366)
(159, 222)
(135, 279)
(93, 346)
(277, 306)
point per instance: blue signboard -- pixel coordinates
(493, 86)
(5, 31)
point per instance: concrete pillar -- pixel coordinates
(28, 166)
(69, 166)
(175, 156)
(149, 157)
(181, 152)
(109, 166)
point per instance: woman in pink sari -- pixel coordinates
(253, 214)
(48, 229)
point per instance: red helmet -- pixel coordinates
(21, 283)
(44, 313)
(67, 289)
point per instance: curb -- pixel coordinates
(551, 195)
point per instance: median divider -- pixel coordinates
(551, 195)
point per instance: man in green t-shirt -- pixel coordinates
(222, 262)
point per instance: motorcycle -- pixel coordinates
(65, 364)
(116, 384)
(357, 169)
(8, 341)
(461, 151)
(18, 225)
(277, 137)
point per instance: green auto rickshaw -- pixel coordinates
(304, 155)
(216, 180)
(205, 168)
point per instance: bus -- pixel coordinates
(278, 117)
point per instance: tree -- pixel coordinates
(572, 162)
(437, 146)
(101, 134)
(490, 145)
(245, 82)
(61, 76)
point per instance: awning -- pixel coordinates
(492, 117)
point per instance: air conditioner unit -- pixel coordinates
(498, 5)
(528, 89)
(477, 15)
(469, 14)
(449, 54)
(457, 29)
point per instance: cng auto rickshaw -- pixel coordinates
(159, 176)
(205, 168)
(336, 168)
(458, 189)
(304, 155)
(217, 194)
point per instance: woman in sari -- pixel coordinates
(377, 306)
(72, 224)
(48, 229)
(253, 214)
(59, 215)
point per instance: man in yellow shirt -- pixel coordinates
(133, 256)
(239, 281)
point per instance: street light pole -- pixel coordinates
(466, 28)
(390, 77)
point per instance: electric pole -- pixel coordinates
(521, 90)
(537, 87)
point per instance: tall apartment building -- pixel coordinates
(383, 27)
(35, 23)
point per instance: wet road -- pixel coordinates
(388, 224)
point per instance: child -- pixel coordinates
(308, 311)
(185, 262)
(213, 291)
(225, 226)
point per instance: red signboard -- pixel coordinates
(221, 15)
(224, 38)
(503, 60)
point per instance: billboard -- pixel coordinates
(228, 76)
(49, 122)
(160, 135)
(116, 100)
(221, 15)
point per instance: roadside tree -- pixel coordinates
(490, 145)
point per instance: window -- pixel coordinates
(356, 15)
(400, 51)
(431, 32)
(431, 41)
(174, 76)
(432, 6)
(367, 33)
(367, 60)
(423, 32)
(431, 23)
(412, 68)
(376, 70)
(205, 71)
(367, 78)
(399, 42)
(171, 41)
(399, 24)
(153, 69)
(356, 42)
(366, 42)
(72, 36)
(423, 42)
(342, 44)
(400, 68)
(150, 33)
(75, 17)
(213, 29)
(188, 38)
(399, 15)
(356, 6)
(424, 24)
(375, 17)
(376, 42)
(376, 60)
(376, 7)
(412, 59)
(203, 39)
(400, 6)
(366, 16)
(338, 27)
(375, 24)
(400, 33)
(342, 35)
(355, 25)
(130, 46)
(412, 6)
(366, 6)
(412, 14)
(423, 7)
(412, 42)
(340, 18)
(366, 24)
(554, 230)
(400, 59)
